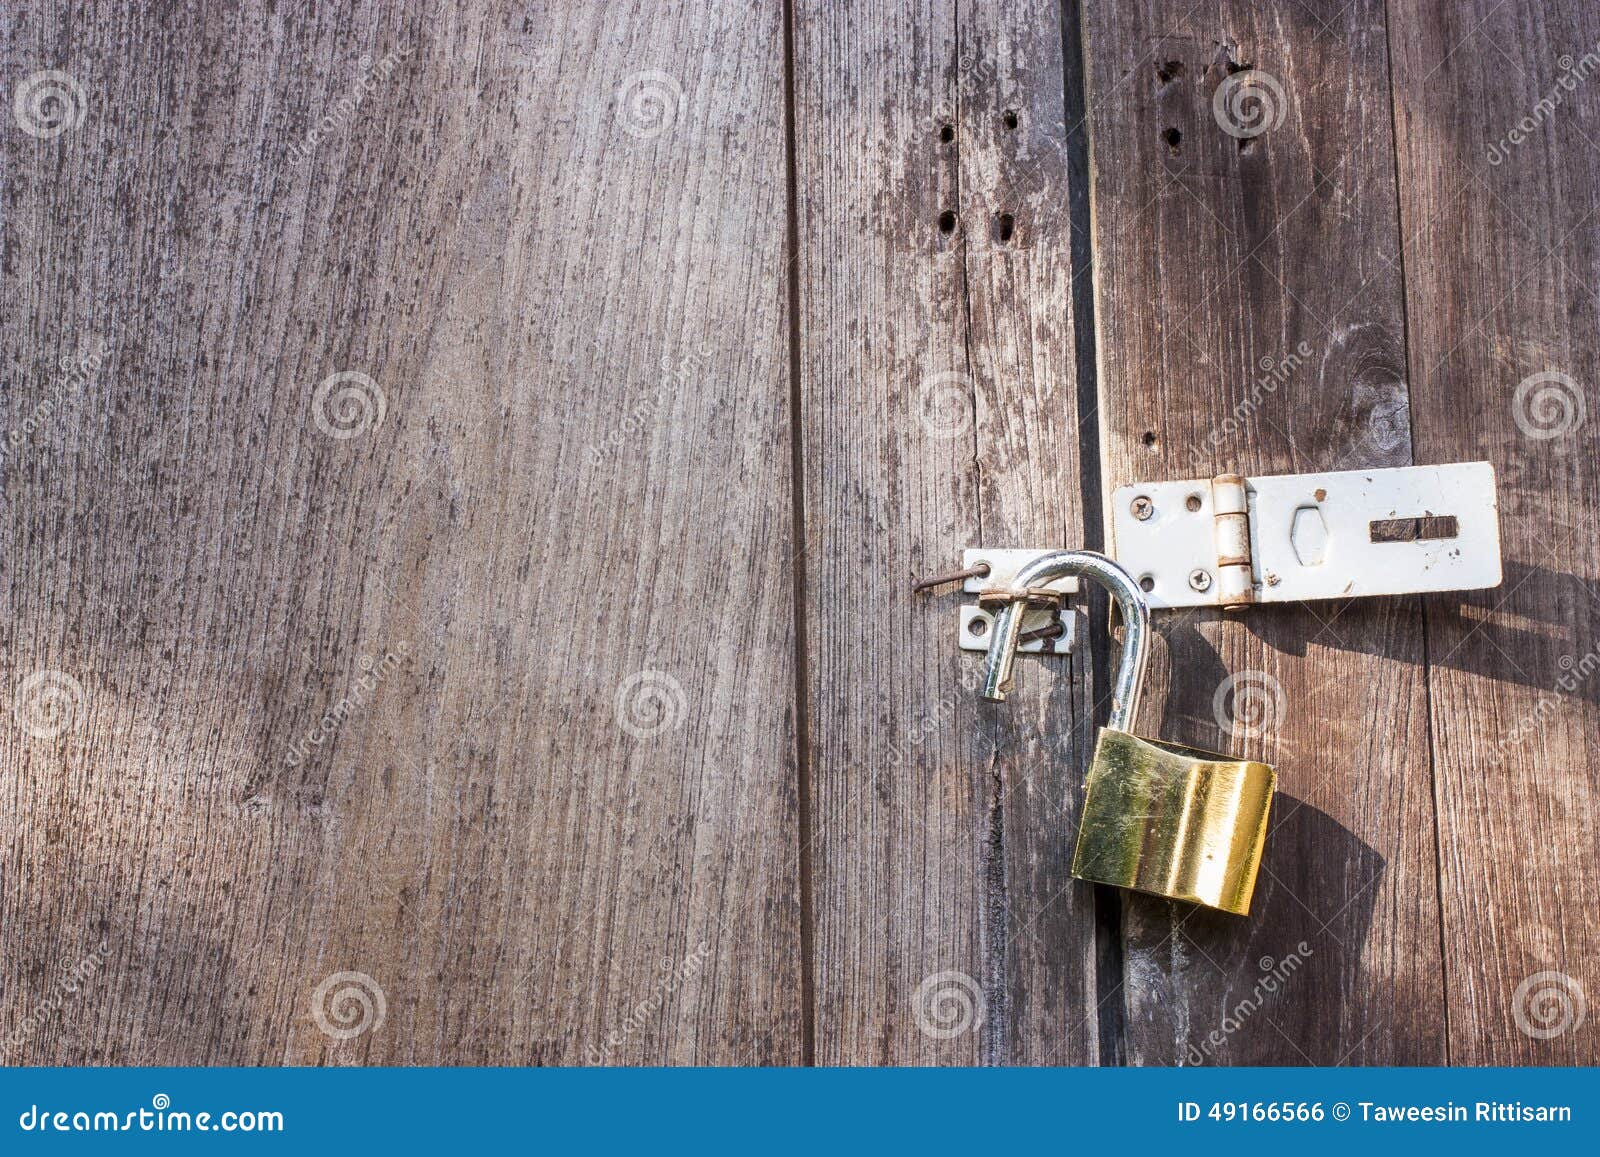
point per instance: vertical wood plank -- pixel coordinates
(1499, 166)
(484, 690)
(1248, 304)
(939, 412)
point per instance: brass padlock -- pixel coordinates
(1158, 817)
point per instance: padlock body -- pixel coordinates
(1173, 821)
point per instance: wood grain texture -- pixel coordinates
(1499, 162)
(1217, 255)
(937, 378)
(552, 238)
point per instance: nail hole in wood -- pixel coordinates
(1173, 138)
(947, 221)
(1005, 225)
(1010, 118)
(1168, 71)
(1149, 438)
(947, 133)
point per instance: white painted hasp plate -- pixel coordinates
(1347, 534)
(976, 623)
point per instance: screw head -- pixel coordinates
(1200, 580)
(1142, 508)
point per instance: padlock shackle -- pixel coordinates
(1129, 682)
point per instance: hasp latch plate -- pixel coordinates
(1233, 541)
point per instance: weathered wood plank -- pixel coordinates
(1265, 270)
(553, 243)
(937, 377)
(1499, 166)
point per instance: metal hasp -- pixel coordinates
(1158, 817)
(1049, 626)
(1231, 541)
